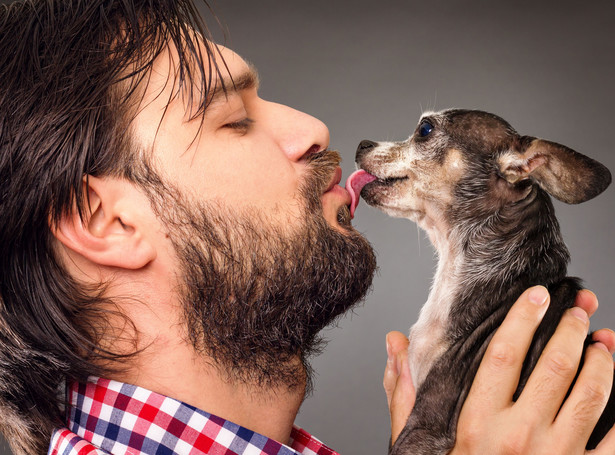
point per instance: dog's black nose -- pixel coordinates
(365, 146)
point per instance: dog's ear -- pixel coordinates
(565, 174)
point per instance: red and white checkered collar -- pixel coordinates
(110, 417)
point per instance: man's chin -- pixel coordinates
(340, 222)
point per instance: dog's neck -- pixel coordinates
(481, 263)
(428, 340)
(427, 335)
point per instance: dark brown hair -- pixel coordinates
(69, 73)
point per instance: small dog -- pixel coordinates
(480, 191)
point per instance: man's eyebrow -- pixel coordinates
(229, 85)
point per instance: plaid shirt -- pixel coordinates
(110, 417)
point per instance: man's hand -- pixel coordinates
(398, 382)
(538, 422)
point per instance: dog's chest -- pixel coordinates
(426, 345)
(428, 339)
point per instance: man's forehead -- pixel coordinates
(212, 84)
(232, 64)
(166, 98)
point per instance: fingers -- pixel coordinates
(489, 421)
(398, 383)
(606, 337)
(587, 300)
(396, 343)
(498, 374)
(581, 410)
(402, 400)
(557, 366)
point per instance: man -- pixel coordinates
(172, 245)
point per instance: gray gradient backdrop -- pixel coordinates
(368, 70)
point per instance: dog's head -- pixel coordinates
(471, 161)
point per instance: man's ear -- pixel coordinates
(111, 232)
(563, 173)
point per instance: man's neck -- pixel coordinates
(179, 373)
(167, 363)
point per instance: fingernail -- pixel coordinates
(579, 314)
(389, 353)
(602, 346)
(538, 295)
(590, 291)
(595, 296)
(391, 363)
(596, 340)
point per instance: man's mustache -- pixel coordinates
(322, 166)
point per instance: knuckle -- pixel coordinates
(575, 322)
(595, 393)
(517, 441)
(591, 398)
(470, 430)
(469, 437)
(584, 416)
(388, 389)
(602, 358)
(502, 354)
(513, 447)
(387, 382)
(560, 363)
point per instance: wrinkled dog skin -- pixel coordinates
(481, 192)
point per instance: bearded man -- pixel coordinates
(172, 245)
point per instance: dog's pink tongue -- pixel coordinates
(354, 185)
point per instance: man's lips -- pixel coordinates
(354, 184)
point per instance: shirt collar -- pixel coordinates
(125, 419)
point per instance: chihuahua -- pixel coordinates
(481, 192)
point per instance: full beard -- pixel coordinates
(255, 296)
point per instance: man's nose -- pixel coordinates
(297, 133)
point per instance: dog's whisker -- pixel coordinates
(418, 238)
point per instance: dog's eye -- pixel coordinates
(425, 128)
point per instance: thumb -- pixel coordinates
(398, 383)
